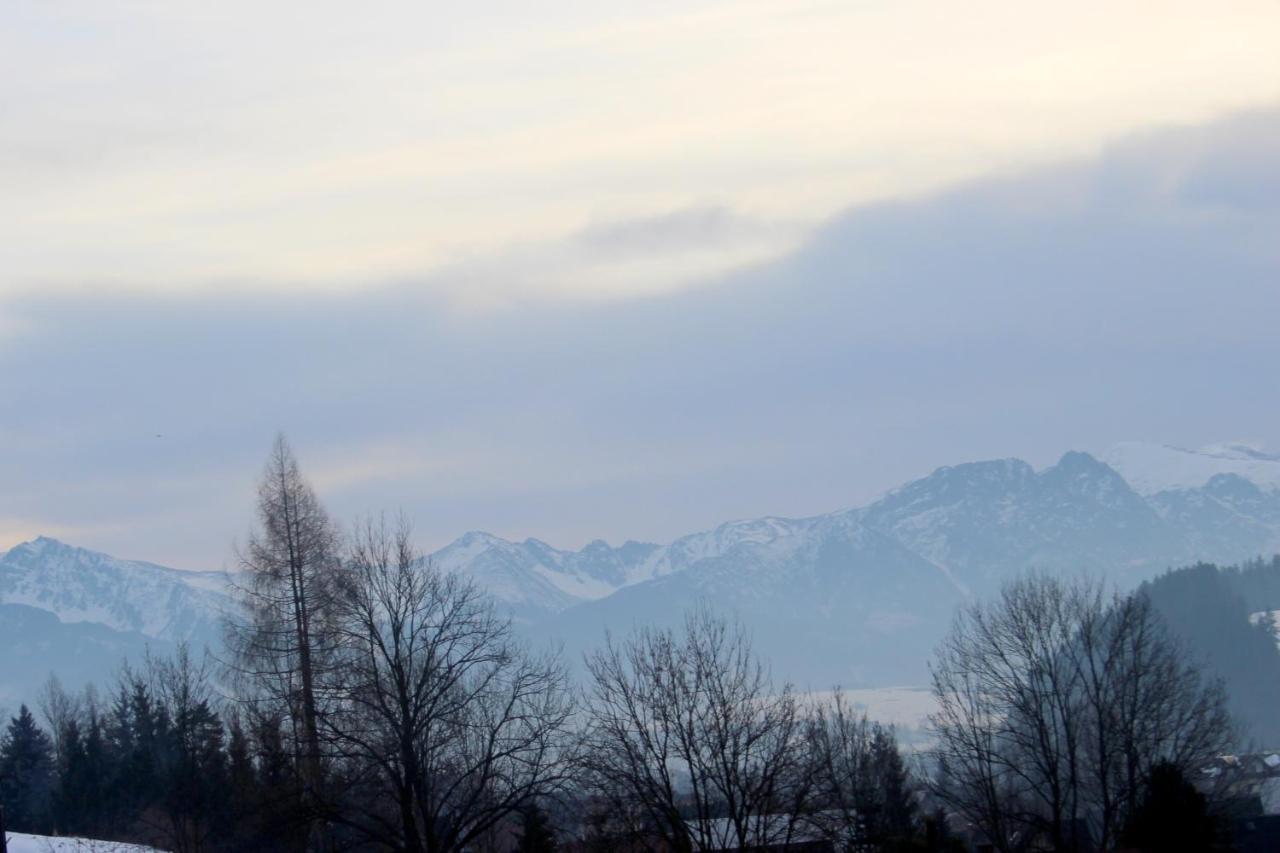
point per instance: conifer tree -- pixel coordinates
(69, 806)
(895, 817)
(26, 774)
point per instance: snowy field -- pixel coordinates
(19, 843)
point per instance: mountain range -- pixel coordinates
(856, 597)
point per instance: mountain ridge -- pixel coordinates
(856, 596)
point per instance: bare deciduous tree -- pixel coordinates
(864, 797)
(280, 640)
(1054, 702)
(59, 708)
(690, 731)
(435, 707)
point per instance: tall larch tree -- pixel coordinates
(280, 640)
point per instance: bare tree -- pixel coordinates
(1054, 702)
(1145, 704)
(279, 639)
(863, 797)
(435, 707)
(691, 732)
(59, 708)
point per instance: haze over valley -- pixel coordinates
(853, 598)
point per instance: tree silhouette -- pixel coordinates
(535, 832)
(26, 774)
(1172, 815)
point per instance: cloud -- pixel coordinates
(1018, 315)
(177, 146)
(689, 229)
(613, 259)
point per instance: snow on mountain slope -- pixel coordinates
(79, 585)
(688, 550)
(1153, 468)
(827, 599)
(986, 521)
(959, 531)
(524, 576)
(534, 579)
(862, 596)
(1229, 517)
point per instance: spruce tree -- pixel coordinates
(26, 774)
(895, 815)
(69, 792)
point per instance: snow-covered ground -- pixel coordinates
(20, 843)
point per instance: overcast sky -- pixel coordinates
(616, 270)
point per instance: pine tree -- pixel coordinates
(240, 770)
(120, 744)
(242, 788)
(895, 815)
(68, 797)
(26, 774)
(95, 777)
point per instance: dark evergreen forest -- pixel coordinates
(1209, 608)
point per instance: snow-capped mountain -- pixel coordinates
(1152, 468)
(858, 596)
(863, 595)
(79, 585)
(80, 614)
(828, 599)
(985, 521)
(976, 523)
(534, 579)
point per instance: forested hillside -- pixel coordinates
(1211, 609)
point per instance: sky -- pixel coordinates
(616, 270)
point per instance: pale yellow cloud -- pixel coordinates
(175, 145)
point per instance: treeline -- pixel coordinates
(1257, 582)
(368, 701)
(684, 745)
(159, 760)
